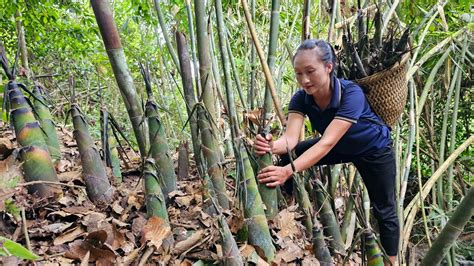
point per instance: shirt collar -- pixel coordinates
(335, 97)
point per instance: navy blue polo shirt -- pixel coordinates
(348, 103)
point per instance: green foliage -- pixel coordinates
(12, 208)
(11, 248)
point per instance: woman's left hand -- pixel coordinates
(273, 176)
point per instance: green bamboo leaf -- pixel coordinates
(17, 250)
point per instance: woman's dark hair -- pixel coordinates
(325, 51)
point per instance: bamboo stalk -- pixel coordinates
(47, 124)
(332, 21)
(98, 186)
(113, 46)
(321, 251)
(214, 66)
(444, 128)
(408, 157)
(431, 52)
(192, 40)
(389, 15)
(454, 119)
(231, 251)
(235, 73)
(37, 163)
(434, 177)
(22, 44)
(210, 150)
(372, 249)
(109, 146)
(190, 98)
(429, 81)
(304, 204)
(451, 231)
(164, 31)
(423, 34)
(418, 166)
(159, 149)
(349, 214)
(266, 69)
(269, 195)
(306, 32)
(328, 219)
(258, 231)
(205, 74)
(154, 198)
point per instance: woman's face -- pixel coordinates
(311, 73)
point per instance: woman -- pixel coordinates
(351, 132)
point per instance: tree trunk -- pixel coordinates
(113, 46)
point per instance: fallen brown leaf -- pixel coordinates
(309, 261)
(6, 148)
(118, 238)
(155, 231)
(289, 254)
(184, 201)
(56, 228)
(138, 224)
(70, 176)
(250, 255)
(182, 246)
(117, 208)
(285, 221)
(95, 244)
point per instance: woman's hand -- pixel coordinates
(273, 176)
(263, 145)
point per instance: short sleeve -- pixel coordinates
(297, 103)
(352, 104)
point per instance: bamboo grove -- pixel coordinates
(215, 73)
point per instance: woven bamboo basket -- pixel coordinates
(386, 91)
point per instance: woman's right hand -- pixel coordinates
(263, 145)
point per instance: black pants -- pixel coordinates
(378, 172)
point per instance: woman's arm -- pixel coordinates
(291, 136)
(288, 139)
(334, 132)
(275, 175)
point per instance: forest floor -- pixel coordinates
(69, 229)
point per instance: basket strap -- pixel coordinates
(374, 121)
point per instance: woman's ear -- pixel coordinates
(329, 67)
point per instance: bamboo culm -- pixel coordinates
(98, 186)
(47, 123)
(113, 46)
(269, 195)
(189, 96)
(328, 219)
(154, 198)
(37, 163)
(159, 149)
(452, 230)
